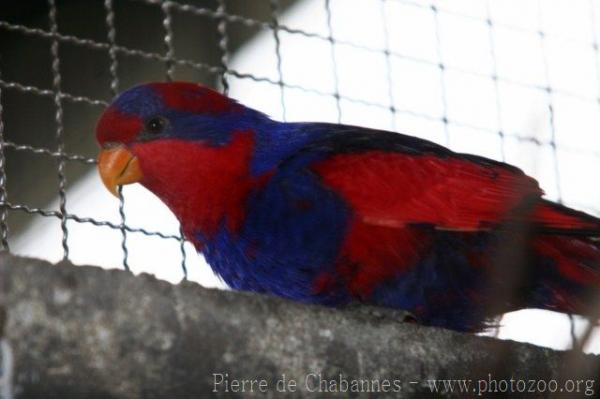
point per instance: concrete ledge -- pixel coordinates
(85, 332)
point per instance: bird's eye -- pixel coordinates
(156, 125)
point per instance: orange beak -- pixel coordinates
(117, 166)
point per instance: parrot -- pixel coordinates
(339, 215)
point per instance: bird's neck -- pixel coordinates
(204, 186)
(277, 141)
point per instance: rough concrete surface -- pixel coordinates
(85, 332)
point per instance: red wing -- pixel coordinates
(394, 183)
(394, 189)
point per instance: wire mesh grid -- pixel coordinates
(222, 71)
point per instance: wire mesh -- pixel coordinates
(222, 71)
(114, 88)
(4, 210)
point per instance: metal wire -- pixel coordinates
(494, 77)
(275, 20)
(549, 91)
(168, 39)
(51, 93)
(251, 22)
(112, 51)
(336, 80)
(60, 155)
(45, 151)
(80, 219)
(388, 63)
(442, 68)
(58, 117)
(217, 70)
(114, 89)
(223, 44)
(169, 75)
(3, 193)
(490, 23)
(592, 324)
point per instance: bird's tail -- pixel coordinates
(567, 266)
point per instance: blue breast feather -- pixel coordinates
(292, 232)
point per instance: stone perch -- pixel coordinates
(85, 332)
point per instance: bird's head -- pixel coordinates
(181, 140)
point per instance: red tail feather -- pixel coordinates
(572, 276)
(553, 216)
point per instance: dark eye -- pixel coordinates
(156, 125)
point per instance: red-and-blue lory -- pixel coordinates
(334, 214)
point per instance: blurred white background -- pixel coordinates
(547, 91)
